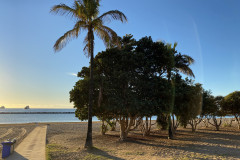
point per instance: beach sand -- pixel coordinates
(65, 141)
(14, 131)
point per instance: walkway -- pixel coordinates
(32, 147)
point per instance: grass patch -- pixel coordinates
(198, 156)
(52, 149)
(94, 157)
(96, 153)
(135, 153)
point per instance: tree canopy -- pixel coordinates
(130, 82)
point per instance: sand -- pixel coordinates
(33, 147)
(65, 141)
(17, 131)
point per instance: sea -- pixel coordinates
(51, 115)
(19, 116)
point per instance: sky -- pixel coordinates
(31, 73)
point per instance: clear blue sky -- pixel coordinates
(32, 74)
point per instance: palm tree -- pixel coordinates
(180, 63)
(86, 14)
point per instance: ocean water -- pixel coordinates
(36, 118)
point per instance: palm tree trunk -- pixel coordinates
(170, 132)
(88, 143)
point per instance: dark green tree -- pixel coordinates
(86, 14)
(152, 86)
(114, 95)
(179, 63)
(130, 83)
(208, 107)
(231, 105)
(188, 101)
(211, 109)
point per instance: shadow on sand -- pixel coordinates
(16, 156)
(212, 144)
(102, 153)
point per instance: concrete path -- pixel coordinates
(32, 147)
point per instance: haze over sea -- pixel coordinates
(35, 118)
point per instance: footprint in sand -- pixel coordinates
(24, 131)
(8, 132)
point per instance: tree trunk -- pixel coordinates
(88, 143)
(185, 126)
(170, 129)
(122, 124)
(193, 129)
(103, 128)
(237, 119)
(191, 122)
(215, 122)
(146, 127)
(112, 124)
(125, 122)
(123, 135)
(170, 133)
(194, 123)
(218, 125)
(206, 122)
(175, 124)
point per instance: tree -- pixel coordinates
(162, 120)
(212, 108)
(231, 105)
(153, 88)
(179, 63)
(195, 106)
(208, 107)
(218, 112)
(188, 102)
(86, 13)
(117, 71)
(129, 84)
(114, 95)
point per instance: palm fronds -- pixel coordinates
(189, 59)
(186, 70)
(86, 13)
(63, 40)
(113, 14)
(107, 35)
(63, 9)
(69, 35)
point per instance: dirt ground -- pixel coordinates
(65, 141)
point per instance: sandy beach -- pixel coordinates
(65, 142)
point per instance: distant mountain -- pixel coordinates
(2, 107)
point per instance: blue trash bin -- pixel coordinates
(6, 148)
